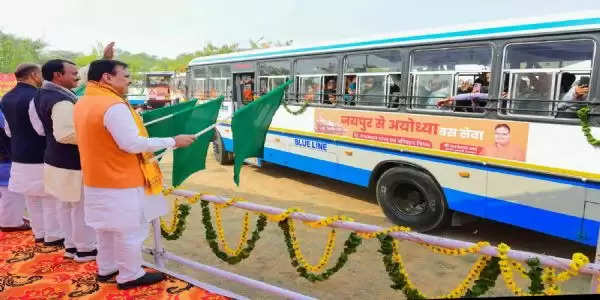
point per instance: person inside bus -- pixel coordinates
(350, 95)
(439, 90)
(329, 94)
(529, 101)
(371, 93)
(472, 101)
(464, 87)
(566, 83)
(310, 93)
(571, 101)
(247, 86)
(484, 80)
(394, 91)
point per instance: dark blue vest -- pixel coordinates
(64, 156)
(26, 145)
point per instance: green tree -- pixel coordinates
(15, 50)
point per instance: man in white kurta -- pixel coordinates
(110, 145)
(12, 205)
(27, 148)
(62, 169)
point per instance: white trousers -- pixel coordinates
(50, 207)
(77, 234)
(122, 251)
(35, 212)
(12, 207)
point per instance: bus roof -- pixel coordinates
(572, 22)
(160, 73)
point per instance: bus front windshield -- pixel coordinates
(158, 80)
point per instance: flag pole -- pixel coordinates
(201, 132)
(160, 119)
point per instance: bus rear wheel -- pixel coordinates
(412, 198)
(221, 155)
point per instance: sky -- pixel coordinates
(167, 28)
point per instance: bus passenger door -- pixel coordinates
(243, 91)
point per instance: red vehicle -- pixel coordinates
(159, 88)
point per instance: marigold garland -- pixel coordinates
(298, 253)
(458, 251)
(299, 111)
(221, 234)
(350, 246)
(177, 226)
(584, 117)
(371, 235)
(328, 221)
(211, 236)
(482, 275)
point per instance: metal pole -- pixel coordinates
(523, 256)
(235, 277)
(158, 249)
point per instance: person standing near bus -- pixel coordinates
(27, 154)
(12, 205)
(62, 169)
(118, 173)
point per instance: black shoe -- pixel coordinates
(86, 256)
(24, 227)
(40, 240)
(147, 279)
(70, 253)
(106, 278)
(60, 243)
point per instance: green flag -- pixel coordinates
(190, 159)
(165, 128)
(250, 125)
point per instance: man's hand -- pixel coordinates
(109, 51)
(184, 140)
(445, 102)
(581, 92)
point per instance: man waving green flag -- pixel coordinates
(250, 125)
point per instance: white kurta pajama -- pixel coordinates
(67, 185)
(12, 207)
(28, 180)
(121, 216)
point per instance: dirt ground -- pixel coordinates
(364, 275)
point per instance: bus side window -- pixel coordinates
(350, 89)
(540, 73)
(371, 90)
(309, 89)
(330, 90)
(393, 81)
(263, 85)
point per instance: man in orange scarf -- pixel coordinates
(118, 173)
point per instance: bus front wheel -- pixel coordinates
(412, 198)
(221, 155)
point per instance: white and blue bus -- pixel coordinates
(475, 119)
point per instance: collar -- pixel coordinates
(25, 84)
(49, 85)
(95, 87)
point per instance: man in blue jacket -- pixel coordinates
(27, 148)
(12, 205)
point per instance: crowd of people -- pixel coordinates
(81, 166)
(532, 95)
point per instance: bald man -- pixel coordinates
(27, 154)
